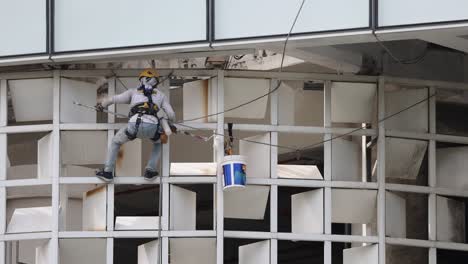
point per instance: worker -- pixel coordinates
(149, 110)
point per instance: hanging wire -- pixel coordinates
(299, 150)
(416, 60)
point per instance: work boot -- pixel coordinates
(104, 175)
(150, 174)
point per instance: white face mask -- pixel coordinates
(150, 83)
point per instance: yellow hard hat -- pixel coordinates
(148, 73)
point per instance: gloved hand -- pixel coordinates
(173, 129)
(99, 107)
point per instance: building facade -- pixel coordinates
(346, 162)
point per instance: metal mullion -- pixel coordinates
(381, 171)
(54, 242)
(432, 178)
(3, 102)
(219, 158)
(273, 172)
(327, 152)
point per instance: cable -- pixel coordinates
(324, 141)
(361, 128)
(298, 150)
(404, 62)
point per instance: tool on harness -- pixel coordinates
(146, 108)
(229, 144)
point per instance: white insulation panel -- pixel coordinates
(79, 251)
(44, 157)
(148, 253)
(34, 219)
(352, 102)
(346, 160)
(129, 159)
(247, 203)
(299, 172)
(83, 147)
(395, 215)
(255, 253)
(31, 93)
(183, 209)
(404, 157)
(361, 255)
(193, 169)
(94, 209)
(240, 90)
(451, 167)
(307, 212)
(42, 253)
(450, 220)
(354, 206)
(77, 91)
(137, 223)
(193, 250)
(258, 156)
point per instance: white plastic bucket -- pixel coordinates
(234, 171)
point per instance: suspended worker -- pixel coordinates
(150, 111)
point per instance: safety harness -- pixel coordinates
(145, 108)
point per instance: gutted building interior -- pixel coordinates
(353, 133)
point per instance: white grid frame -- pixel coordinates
(274, 128)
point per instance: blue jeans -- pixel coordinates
(145, 130)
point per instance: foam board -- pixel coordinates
(77, 171)
(404, 157)
(307, 212)
(193, 169)
(79, 251)
(148, 253)
(310, 172)
(361, 255)
(182, 212)
(42, 253)
(346, 160)
(415, 120)
(82, 92)
(195, 100)
(257, 155)
(192, 250)
(30, 192)
(354, 206)
(34, 219)
(28, 171)
(128, 161)
(247, 203)
(395, 213)
(44, 157)
(450, 220)
(94, 209)
(137, 223)
(36, 93)
(286, 104)
(240, 90)
(452, 167)
(255, 253)
(352, 102)
(83, 147)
